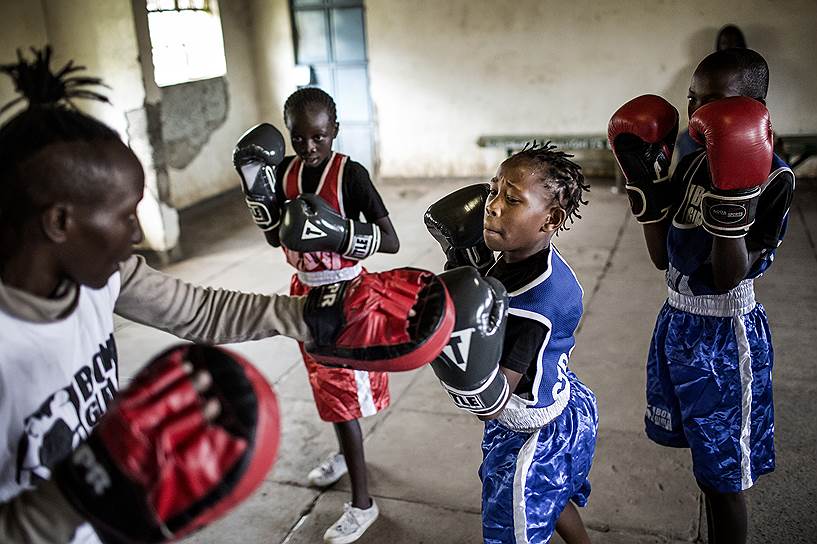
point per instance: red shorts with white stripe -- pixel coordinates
(342, 394)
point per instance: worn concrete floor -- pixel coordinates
(423, 454)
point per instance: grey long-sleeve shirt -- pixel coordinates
(152, 298)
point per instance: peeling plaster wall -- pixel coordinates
(444, 73)
(107, 45)
(201, 121)
(189, 114)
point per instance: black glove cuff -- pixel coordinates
(485, 400)
(363, 240)
(93, 484)
(650, 199)
(729, 214)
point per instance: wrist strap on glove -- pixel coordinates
(729, 214)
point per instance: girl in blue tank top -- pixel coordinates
(538, 450)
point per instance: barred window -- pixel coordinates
(186, 40)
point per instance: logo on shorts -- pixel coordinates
(659, 417)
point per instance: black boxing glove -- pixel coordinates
(310, 224)
(255, 157)
(456, 222)
(468, 367)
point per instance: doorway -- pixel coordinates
(330, 39)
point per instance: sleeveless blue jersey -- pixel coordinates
(555, 300)
(689, 245)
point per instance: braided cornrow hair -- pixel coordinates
(51, 117)
(561, 175)
(299, 101)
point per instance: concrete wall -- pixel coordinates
(107, 45)
(28, 30)
(444, 73)
(210, 116)
(275, 57)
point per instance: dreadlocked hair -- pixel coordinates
(561, 175)
(302, 99)
(51, 117)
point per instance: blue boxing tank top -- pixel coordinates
(553, 299)
(689, 245)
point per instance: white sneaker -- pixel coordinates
(352, 524)
(328, 472)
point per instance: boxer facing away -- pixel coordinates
(714, 226)
(69, 188)
(313, 206)
(540, 419)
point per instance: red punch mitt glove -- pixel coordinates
(389, 321)
(737, 133)
(155, 468)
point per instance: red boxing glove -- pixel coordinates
(387, 321)
(737, 134)
(642, 135)
(155, 468)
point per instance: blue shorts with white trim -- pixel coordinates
(528, 478)
(709, 388)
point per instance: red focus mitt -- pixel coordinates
(387, 321)
(155, 468)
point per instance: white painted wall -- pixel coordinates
(275, 58)
(445, 72)
(100, 36)
(105, 43)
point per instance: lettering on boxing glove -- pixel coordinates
(642, 135)
(95, 476)
(468, 367)
(737, 135)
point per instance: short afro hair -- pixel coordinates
(747, 64)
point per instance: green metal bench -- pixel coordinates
(591, 151)
(797, 148)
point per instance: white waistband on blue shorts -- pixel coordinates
(737, 302)
(517, 416)
(323, 277)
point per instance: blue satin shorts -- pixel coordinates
(709, 388)
(528, 478)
